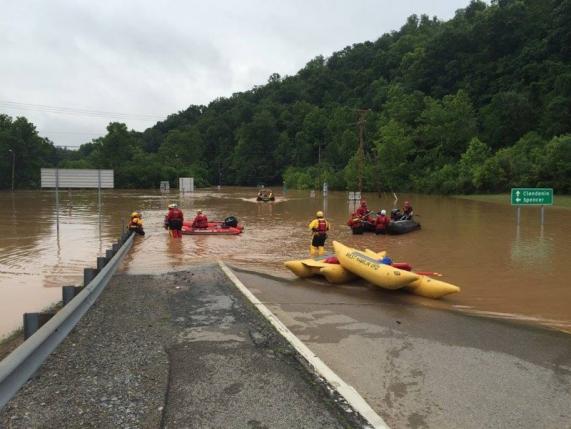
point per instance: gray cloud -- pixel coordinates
(158, 57)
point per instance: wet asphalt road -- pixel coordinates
(424, 367)
(174, 350)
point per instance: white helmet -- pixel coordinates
(383, 212)
(173, 206)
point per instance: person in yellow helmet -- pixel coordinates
(319, 227)
(136, 223)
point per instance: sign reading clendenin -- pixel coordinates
(532, 196)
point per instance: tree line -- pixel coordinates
(478, 103)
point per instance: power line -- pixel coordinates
(87, 133)
(73, 111)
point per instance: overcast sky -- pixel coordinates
(71, 67)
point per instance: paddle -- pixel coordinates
(428, 273)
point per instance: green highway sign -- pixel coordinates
(532, 196)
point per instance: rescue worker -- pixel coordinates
(395, 214)
(136, 223)
(319, 228)
(363, 211)
(382, 222)
(407, 212)
(174, 220)
(200, 221)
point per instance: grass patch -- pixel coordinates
(561, 201)
(11, 342)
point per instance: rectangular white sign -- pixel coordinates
(76, 178)
(186, 184)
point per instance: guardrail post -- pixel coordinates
(34, 321)
(88, 275)
(69, 292)
(20, 365)
(101, 262)
(109, 254)
(115, 248)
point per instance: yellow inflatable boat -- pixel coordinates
(333, 273)
(431, 288)
(371, 269)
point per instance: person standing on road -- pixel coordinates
(174, 220)
(319, 227)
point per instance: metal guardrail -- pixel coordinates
(22, 363)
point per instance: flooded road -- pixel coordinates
(504, 271)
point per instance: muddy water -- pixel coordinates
(504, 271)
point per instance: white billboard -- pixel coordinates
(76, 178)
(186, 184)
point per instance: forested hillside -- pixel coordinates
(479, 103)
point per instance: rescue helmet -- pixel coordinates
(319, 214)
(199, 211)
(135, 214)
(406, 204)
(173, 206)
(386, 261)
(383, 212)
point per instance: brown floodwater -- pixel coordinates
(520, 273)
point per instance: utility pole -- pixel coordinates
(361, 150)
(13, 166)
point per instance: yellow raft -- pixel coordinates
(431, 288)
(365, 264)
(389, 277)
(371, 269)
(333, 273)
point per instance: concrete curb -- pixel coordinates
(346, 391)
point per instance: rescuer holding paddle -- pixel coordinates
(319, 228)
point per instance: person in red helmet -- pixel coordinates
(174, 220)
(407, 212)
(200, 221)
(363, 211)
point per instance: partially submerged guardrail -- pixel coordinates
(22, 363)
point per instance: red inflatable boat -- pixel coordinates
(214, 228)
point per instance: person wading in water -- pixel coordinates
(174, 220)
(319, 228)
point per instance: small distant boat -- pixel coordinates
(266, 195)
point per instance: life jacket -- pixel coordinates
(381, 222)
(321, 227)
(200, 221)
(174, 218)
(135, 223)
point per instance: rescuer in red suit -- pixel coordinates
(174, 220)
(200, 221)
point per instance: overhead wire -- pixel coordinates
(74, 111)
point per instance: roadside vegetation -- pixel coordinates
(476, 104)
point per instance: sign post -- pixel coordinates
(531, 197)
(76, 178)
